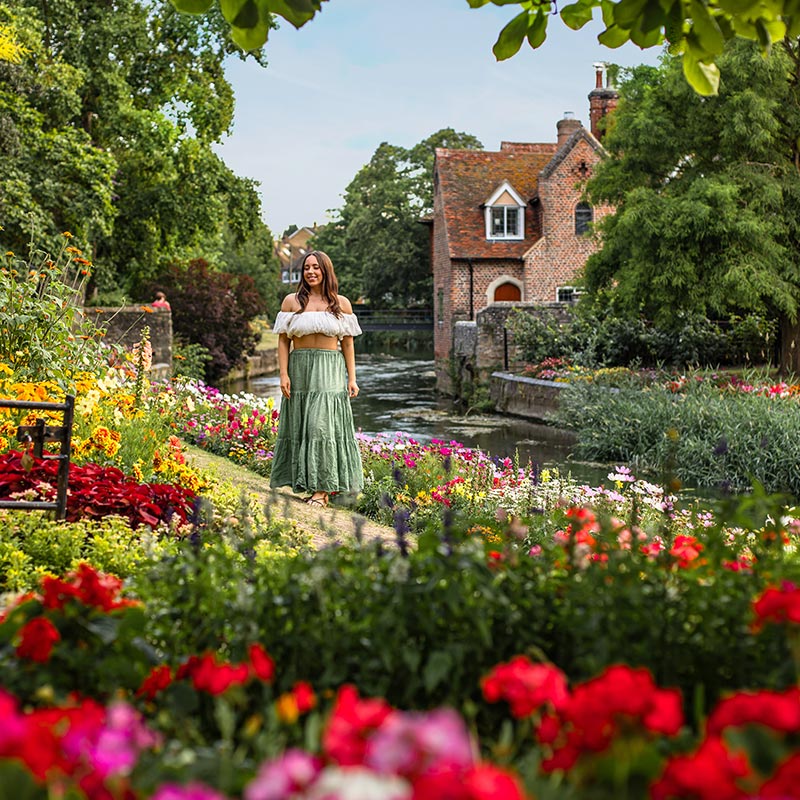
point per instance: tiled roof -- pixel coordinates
(467, 178)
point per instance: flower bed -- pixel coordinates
(216, 725)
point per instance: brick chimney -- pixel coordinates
(566, 127)
(602, 99)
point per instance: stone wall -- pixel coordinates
(525, 397)
(124, 326)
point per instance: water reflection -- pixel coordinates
(398, 395)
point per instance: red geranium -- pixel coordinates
(37, 638)
(779, 711)
(711, 773)
(525, 686)
(686, 550)
(778, 604)
(262, 666)
(159, 679)
(352, 721)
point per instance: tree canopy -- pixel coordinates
(109, 136)
(697, 31)
(379, 247)
(707, 192)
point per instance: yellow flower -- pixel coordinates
(5, 369)
(67, 235)
(286, 708)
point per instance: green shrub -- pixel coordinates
(705, 437)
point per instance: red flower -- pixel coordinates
(37, 638)
(621, 699)
(686, 549)
(209, 676)
(525, 686)
(351, 723)
(262, 665)
(786, 780)
(304, 696)
(779, 711)
(158, 680)
(710, 773)
(778, 605)
(481, 782)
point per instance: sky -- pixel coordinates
(363, 72)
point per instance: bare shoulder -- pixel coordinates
(345, 304)
(290, 303)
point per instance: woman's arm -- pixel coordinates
(349, 353)
(283, 364)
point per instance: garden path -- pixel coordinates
(324, 525)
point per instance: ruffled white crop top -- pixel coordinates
(306, 322)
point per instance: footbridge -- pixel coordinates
(394, 319)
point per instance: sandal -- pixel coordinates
(313, 501)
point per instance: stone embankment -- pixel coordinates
(530, 398)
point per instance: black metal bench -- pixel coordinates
(38, 434)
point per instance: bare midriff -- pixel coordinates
(317, 341)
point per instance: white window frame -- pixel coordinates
(491, 205)
(576, 293)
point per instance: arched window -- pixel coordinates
(507, 291)
(584, 216)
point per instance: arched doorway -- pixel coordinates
(507, 291)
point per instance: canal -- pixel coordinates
(398, 395)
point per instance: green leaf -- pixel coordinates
(537, 33)
(105, 628)
(614, 36)
(192, 6)
(628, 12)
(297, 12)
(576, 15)
(705, 28)
(510, 39)
(738, 6)
(702, 77)
(437, 669)
(477, 3)
(240, 13)
(250, 39)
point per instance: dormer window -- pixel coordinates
(505, 214)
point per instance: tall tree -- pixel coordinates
(707, 192)
(377, 242)
(146, 115)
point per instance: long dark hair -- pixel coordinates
(330, 286)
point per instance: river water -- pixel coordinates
(398, 394)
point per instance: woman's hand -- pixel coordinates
(286, 386)
(352, 388)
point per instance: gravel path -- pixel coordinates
(324, 525)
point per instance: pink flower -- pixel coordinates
(283, 777)
(189, 791)
(411, 744)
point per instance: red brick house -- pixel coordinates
(512, 226)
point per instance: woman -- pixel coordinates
(316, 450)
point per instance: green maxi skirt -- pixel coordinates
(316, 449)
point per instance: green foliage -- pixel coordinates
(707, 437)
(422, 628)
(589, 340)
(706, 193)
(213, 309)
(43, 335)
(110, 118)
(32, 546)
(380, 250)
(189, 359)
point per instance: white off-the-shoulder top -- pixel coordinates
(295, 325)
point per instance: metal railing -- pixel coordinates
(39, 433)
(394, 319)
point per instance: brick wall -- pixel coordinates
(557, 258)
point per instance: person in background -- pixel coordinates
(161, 301)
(316, 450)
